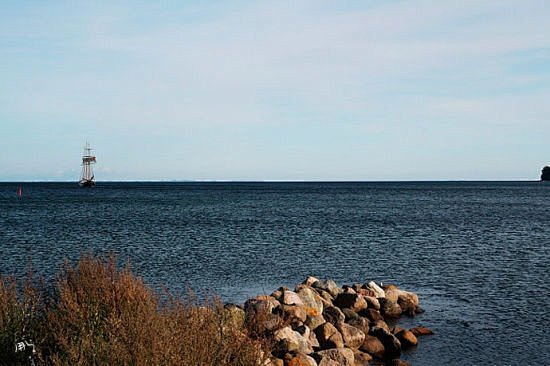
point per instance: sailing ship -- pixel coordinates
(87, 179)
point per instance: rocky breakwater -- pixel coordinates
(321, 324)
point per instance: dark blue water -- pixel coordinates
(476, 253)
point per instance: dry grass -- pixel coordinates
(99, 315)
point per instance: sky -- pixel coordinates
(275, 90)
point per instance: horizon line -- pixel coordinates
(271, 181)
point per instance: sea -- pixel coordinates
(476, 253)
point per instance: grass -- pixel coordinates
(96, 314)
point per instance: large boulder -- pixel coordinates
(371, 314)
(264, 304)
(350, 314)
(353, 337)
(311, 300)
(301, 359)
(333, 315)
(420, 331)
(372, 302)
(326, 298)
(328, 362)
(234, 315)
(380, 324)
(351, 301)
(291, 340)
(408, 301)
(310, 280)
(275, 362)
(328, 336)
(344, 356)
(329, 286)
(291, 298)
(313, 321)
(398, 362)
(313, 341)
(361, 358)
(295, 312)
(389, 308)
(360, 323)
(407, 338)
(390, 342)
(373, 346)
(377, 289)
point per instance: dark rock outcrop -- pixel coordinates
(545, 176)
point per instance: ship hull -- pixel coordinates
(87, 183)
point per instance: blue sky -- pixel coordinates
(275, 90)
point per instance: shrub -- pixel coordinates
(19, 318)
(99, 315)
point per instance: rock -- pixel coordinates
(333, 315)
(234, 315)
(398, 362)
(295, 312)
(353, 337)
(420, 331)
(275, 362)
(389, 308)
(396, 329)
(328, 336)
(313, 341)
(360, 323)
(277, 294)
(326, 298)
(545, 175)
(365, 291)
(371, 314)
(343, 356)
(328, 362)
(292, 340)
(390, 342)
(351, 301)
(373, 346)
(291, 298)
(310, 281)
(328, 286)
(419, 310)
(350, 314)
(361, 358)
(265, 305)
(373, 286)
(372, 302)
(408, 301)
(391, 295)
(311, 301)
(300, 359)
(348, 289)
(381, 324)
(389, 287)
(313, 321)
(300, 286)
(407, 338)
